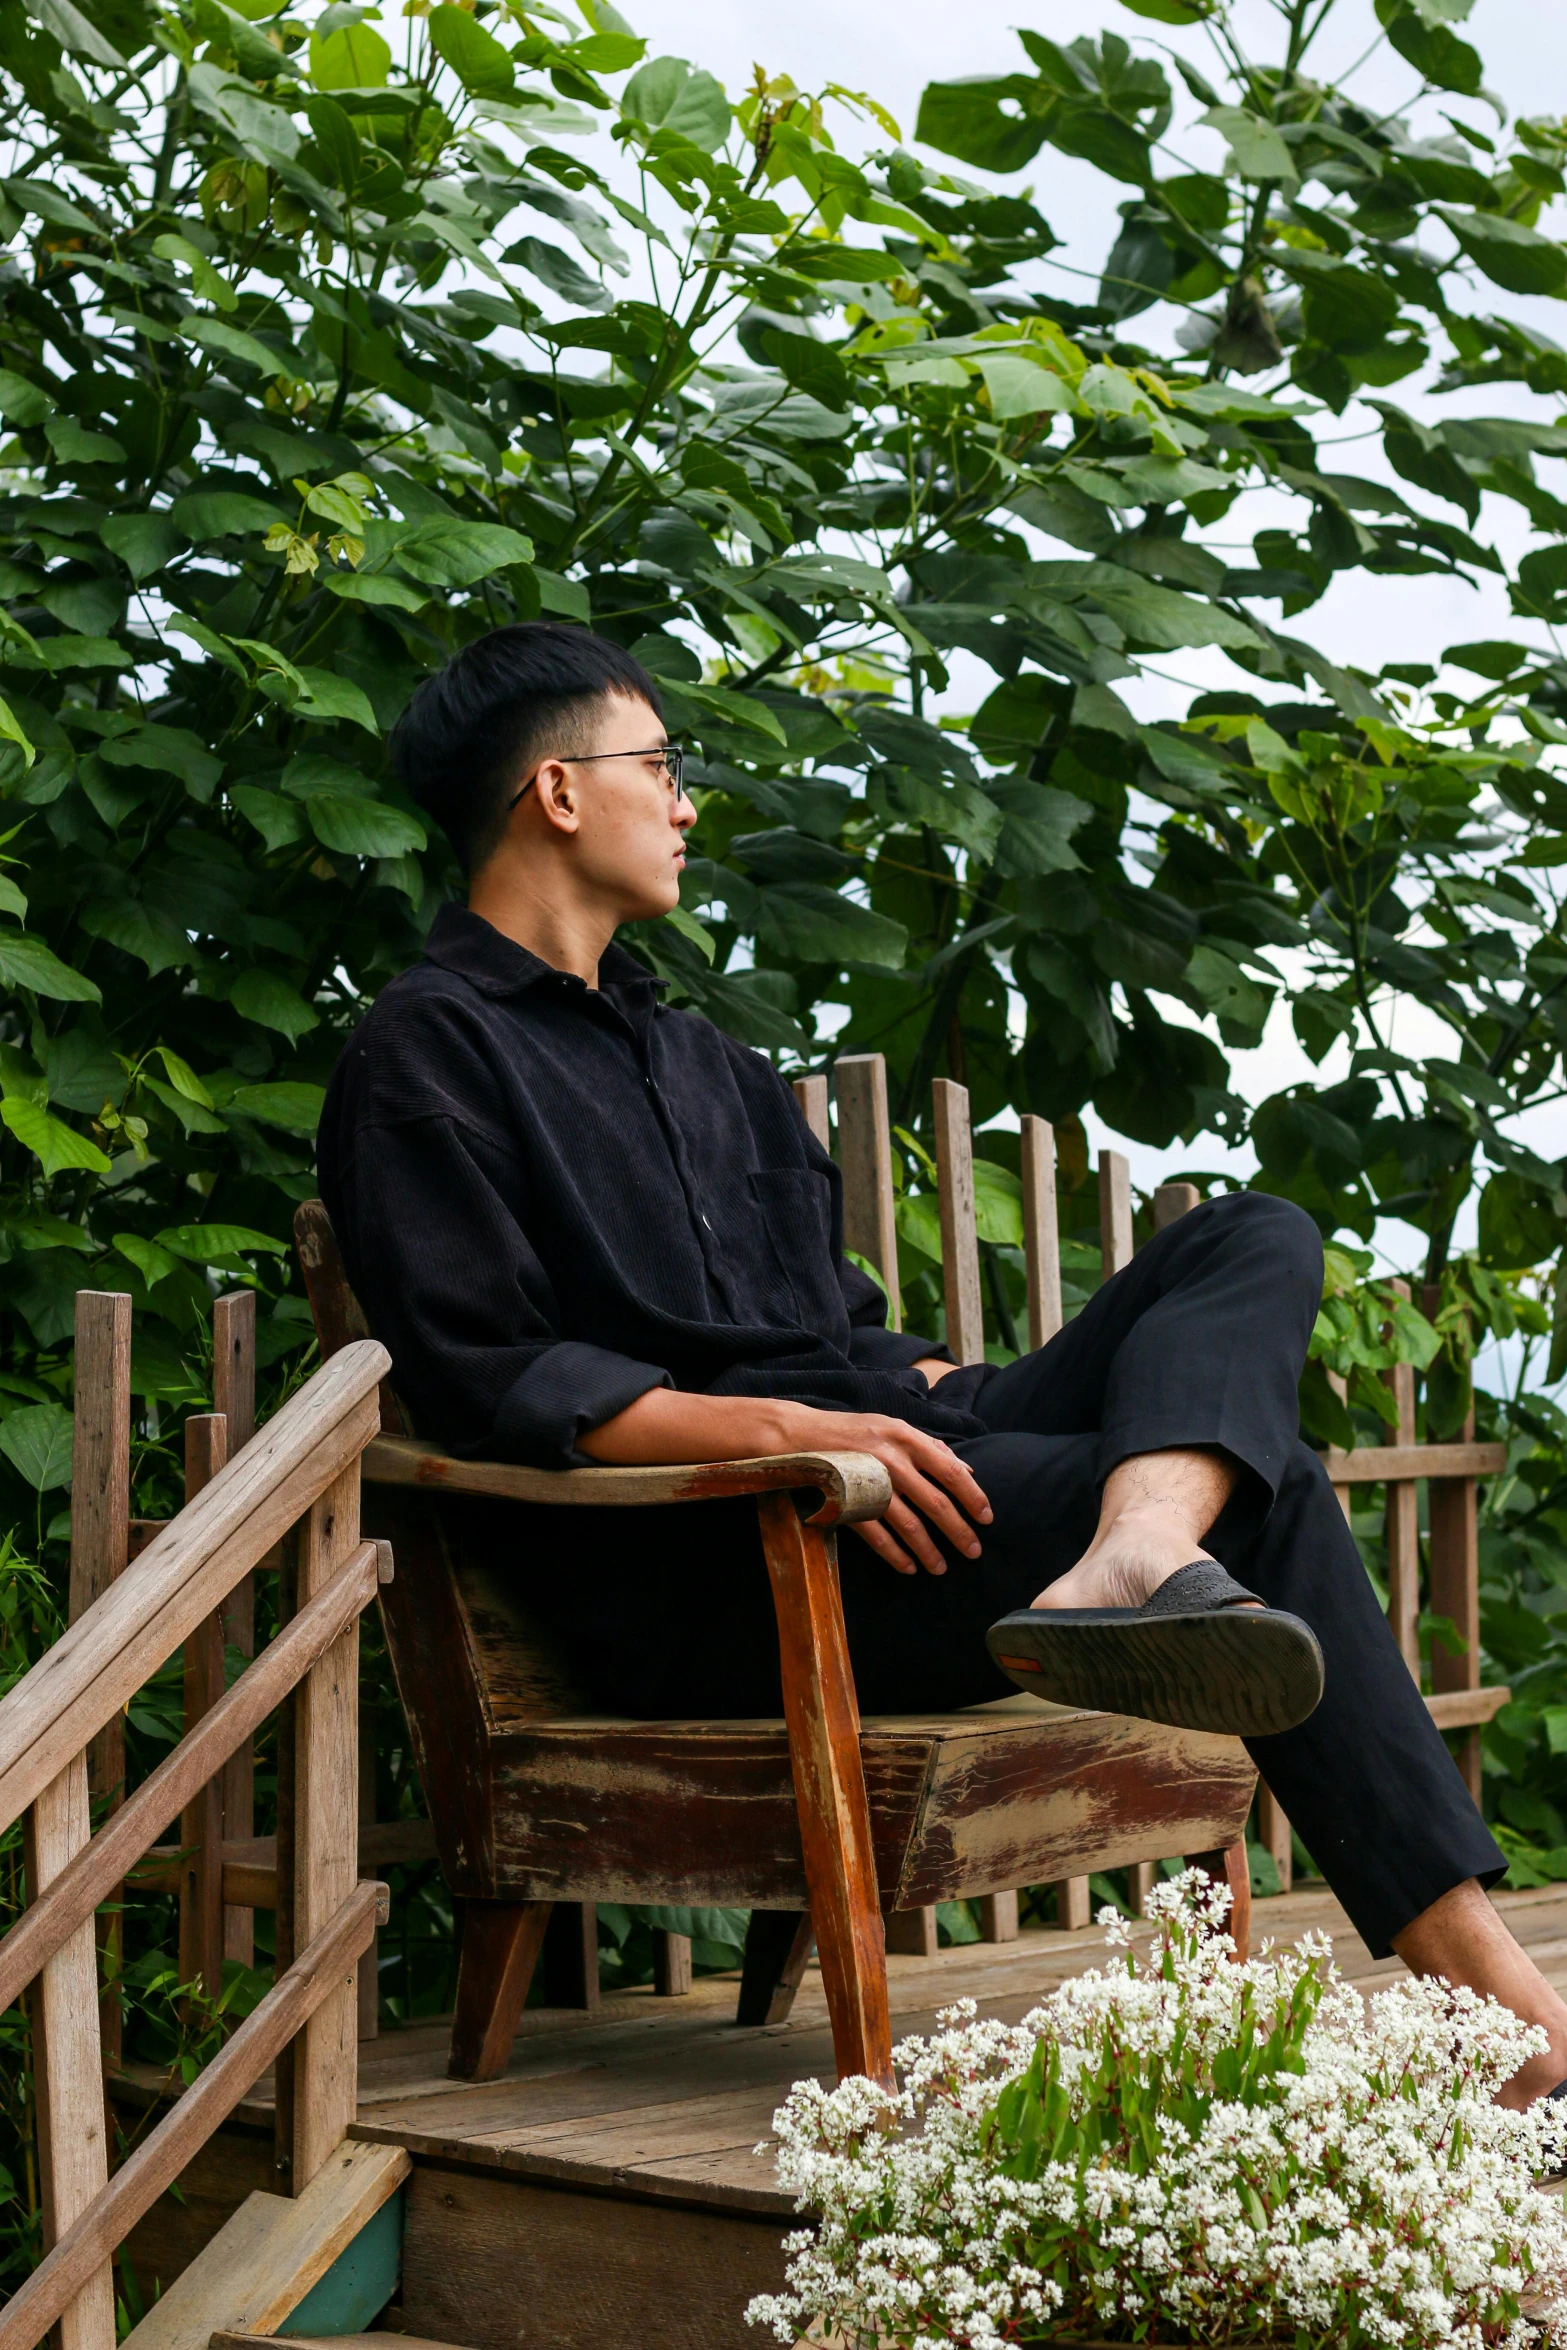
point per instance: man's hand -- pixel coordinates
(928, 1479)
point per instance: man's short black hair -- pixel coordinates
(470, 733)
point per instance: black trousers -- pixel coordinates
(1198, 1342)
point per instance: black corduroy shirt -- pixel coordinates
(552, 1198)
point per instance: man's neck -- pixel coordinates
(556, 928)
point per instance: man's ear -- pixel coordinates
(556, 795)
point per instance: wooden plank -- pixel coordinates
(72, 2123)
(211, 2097)
(911, 1933)
(963, 1297)
(998, 1917)
(370, 1964)
(1462, 1709)
(1073, 1904)
(326, 1832)
(1375, 1464)
(46, 1925)
(811, 1094)
(1172, 1201)
(1274, 1830)
(865, 1157)
(83, 1680)
(1452, 1505)
(234, 1395)
(672, 1977)
(852, 1484)
(1041, 1232)
(370, 2341)
(829, 1785)
(263, 2262)
(201, 1823)
(1115, 1211)
(100, 1550)
(1142, 1877)
(1403, 1522)
(284, 1942)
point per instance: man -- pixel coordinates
(593, 1228)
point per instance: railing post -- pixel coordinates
(234, 1395)
(959, 1239)
(326, 1837)
(100, 1546)
(68, 2058)
(201, 1822)
(865, 1160)
(1403, 1522)
(1041, 1231)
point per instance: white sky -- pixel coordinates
(892, 48)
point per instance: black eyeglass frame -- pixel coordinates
(671, 756)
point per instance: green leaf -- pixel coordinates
(1256, 150)
(219, 1244)
(27, 962)
(268, 1000)
(183, 1077)
(372, 587)
(12, 731)
(353, 57)
(137, 930)
(59, 653)
(559, 272)
(22, 403)
(801, 921)
(666, 95)
(997, 123)
(277, 820)
(50, 1140)
(328, 698)
(205, 515)
(153, 1263)
(73, 444)
(74, 30)
(167, 750)
(1020, 387)
(459, 554)
(696, 931)
(1508, 253)
(361, 827)
(143, 542)
(475, 56)
(1419, 35)
(296, 1108)
(37, 1443)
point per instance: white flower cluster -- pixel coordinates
(1183, 2148)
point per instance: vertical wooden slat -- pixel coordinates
(823, 1722)
(68, 2058)
(671, 1964)
(1455, 1577)
(1074, 1900)
(100, 1537)
(998, 1917)
(571, 1955)
(811, 1094)
(1142, 1877)
(201, 1822)
(865, 1158)
(959, 1240)
(1115, 1211)
(911, 1933)
(234, 1395)
(369, 1986)
(1173, 1200)
(1403, 1522)
(285, 2068)
(1041, 1231)
(1274, 1830)
(326, 1837)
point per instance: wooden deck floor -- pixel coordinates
(607, 2193)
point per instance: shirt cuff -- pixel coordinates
(894, 1350)
(570, 1387)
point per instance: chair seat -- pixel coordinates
(592, 1807)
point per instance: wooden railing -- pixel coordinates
(295, 1482)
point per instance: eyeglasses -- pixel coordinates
(671, 766)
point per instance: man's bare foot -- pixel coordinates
(1462, 1937)
(1156, 1508)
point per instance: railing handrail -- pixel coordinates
(81, 1682)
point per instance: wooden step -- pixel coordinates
(334, 2342)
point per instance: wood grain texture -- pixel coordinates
(865, 1161)
(778, 1947)
(1374, 1464)
(822, 1718)
(1461, 1709)
(545, 2268)
(201, 1822)
(234, 1395)
(326, 1832)
(811, 1094)
(339, 1317)
(1074, 1899)
(963, 1298)
(85, 2247)
(852, 1484)
(1453, 1513)
(90, 1877)
(998, 1919)
(83, 1680)
(1172, 1201)
(1115, 1211)
(1041, 1230)
(911, 1933)
(72, 2123)
(264, 2260)
(1403, 1522)
(100, 1552)
(1274, 1831)
(672, 1976)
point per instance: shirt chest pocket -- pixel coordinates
(794, 1271)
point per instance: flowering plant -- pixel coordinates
(1180, 2148)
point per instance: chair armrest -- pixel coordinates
(853, 1485)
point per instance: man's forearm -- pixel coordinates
(667, 1425)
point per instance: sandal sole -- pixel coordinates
(1243, 1672)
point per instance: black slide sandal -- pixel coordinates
(1195, 1655)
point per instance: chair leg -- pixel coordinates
(571, 1956)
(823, 1720)
(501, 1941)
(778, 1946)
(1231, 1867)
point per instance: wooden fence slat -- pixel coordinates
(201, 1823)
(1403, 1522)
(93, 1669)
(1115, 1211)
(959, 1241)
(100, 1548)
(811, 1094)
(234, 1395)
(1041, 1231)
(1172, 1201)
(1274, 1830)
(68, 2062)
(865, 1160)
(326, 1833)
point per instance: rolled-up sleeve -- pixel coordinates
(456, 1291)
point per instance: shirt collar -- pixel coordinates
(464, 942)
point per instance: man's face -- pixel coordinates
(631, 827)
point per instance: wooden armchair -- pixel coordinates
(820, 1823)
